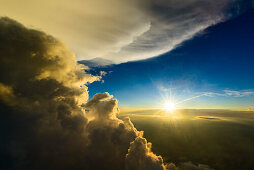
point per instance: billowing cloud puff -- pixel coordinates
(141, 157)
(47, 121)
(121, 30)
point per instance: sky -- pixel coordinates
(215, 65)
(126, 84)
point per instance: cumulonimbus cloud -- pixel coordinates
(47, 121)
(121, 30)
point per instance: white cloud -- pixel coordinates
(241, 93)
(119, 30)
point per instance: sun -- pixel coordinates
(169, 106)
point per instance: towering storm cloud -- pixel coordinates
(122, 30)
(47, 121)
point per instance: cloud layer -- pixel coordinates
(121, 30)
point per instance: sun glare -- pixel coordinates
(169, 106)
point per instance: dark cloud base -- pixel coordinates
(208, 118)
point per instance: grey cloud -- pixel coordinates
(191, 166)
(173, 22)
(208, 118)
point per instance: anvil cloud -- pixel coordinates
(120, 30)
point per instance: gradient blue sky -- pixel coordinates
(216, 64)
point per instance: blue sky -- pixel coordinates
(216, 64)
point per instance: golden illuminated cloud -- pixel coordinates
(47, 120)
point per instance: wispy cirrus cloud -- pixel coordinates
(230, 93)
